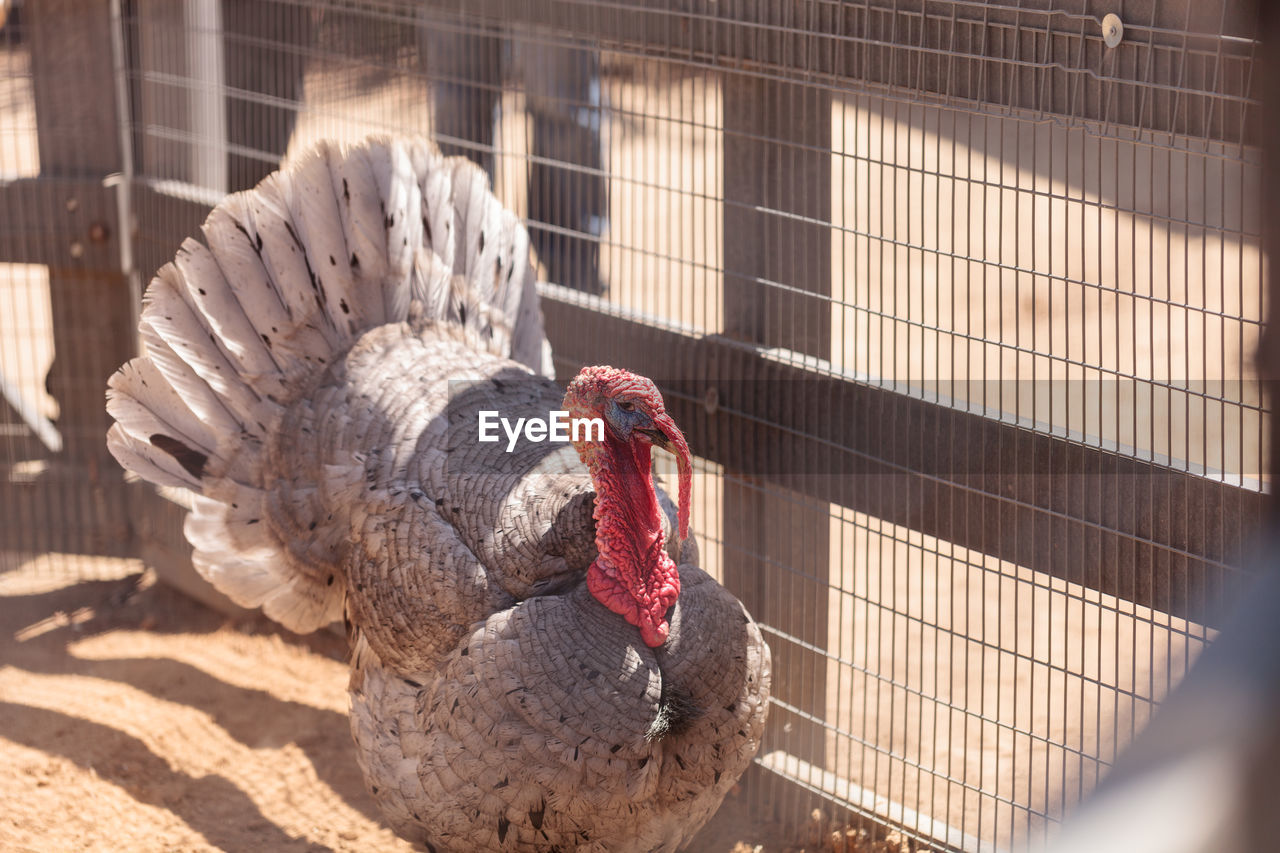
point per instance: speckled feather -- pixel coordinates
(313, 374)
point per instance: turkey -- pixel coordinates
(537, 661)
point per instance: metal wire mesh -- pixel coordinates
(980, 210)
(26, 323)
(55, 312)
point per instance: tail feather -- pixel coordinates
(231, 519)
(360, 200)
(310, 327)
(290, 274)
(193, 390)
(251, 247)
(306, 334)
(186, 333)
(148, 461)
(207, 290)
(433, 286)
(239, 257)
(436, 184)
(308, 192)
(164, 413)
(492, 252)
(470, 191)
(401, 205)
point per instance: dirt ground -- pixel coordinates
(133, 718)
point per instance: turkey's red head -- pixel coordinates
(632, 576)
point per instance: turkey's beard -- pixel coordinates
(633, 576)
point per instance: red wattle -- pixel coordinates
(632, 576)
(649, 616)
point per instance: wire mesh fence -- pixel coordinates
(956, 301)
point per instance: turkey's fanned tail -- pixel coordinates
(289, 275)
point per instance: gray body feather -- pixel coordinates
(313, 374)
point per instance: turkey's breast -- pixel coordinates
(552, 726)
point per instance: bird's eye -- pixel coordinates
(626, 405)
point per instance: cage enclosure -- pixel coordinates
(956, 304)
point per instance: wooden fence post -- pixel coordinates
(777, 250)
(79, 495)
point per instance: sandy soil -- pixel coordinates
(133, 718)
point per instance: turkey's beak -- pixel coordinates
(656, 437)
(669, 437)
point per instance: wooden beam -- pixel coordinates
(66, 223)
(1150, 535)
(53, 508)
(78, 132)
(777, 291)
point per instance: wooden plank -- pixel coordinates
(777, 251)
(67, 223)
(73, 82)
(63, 510)
(777, 214)
(1268, 357)
(1151, 535)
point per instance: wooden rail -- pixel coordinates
(1143, 533)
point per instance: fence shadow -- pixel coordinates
(211, 805)
(40, 631)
